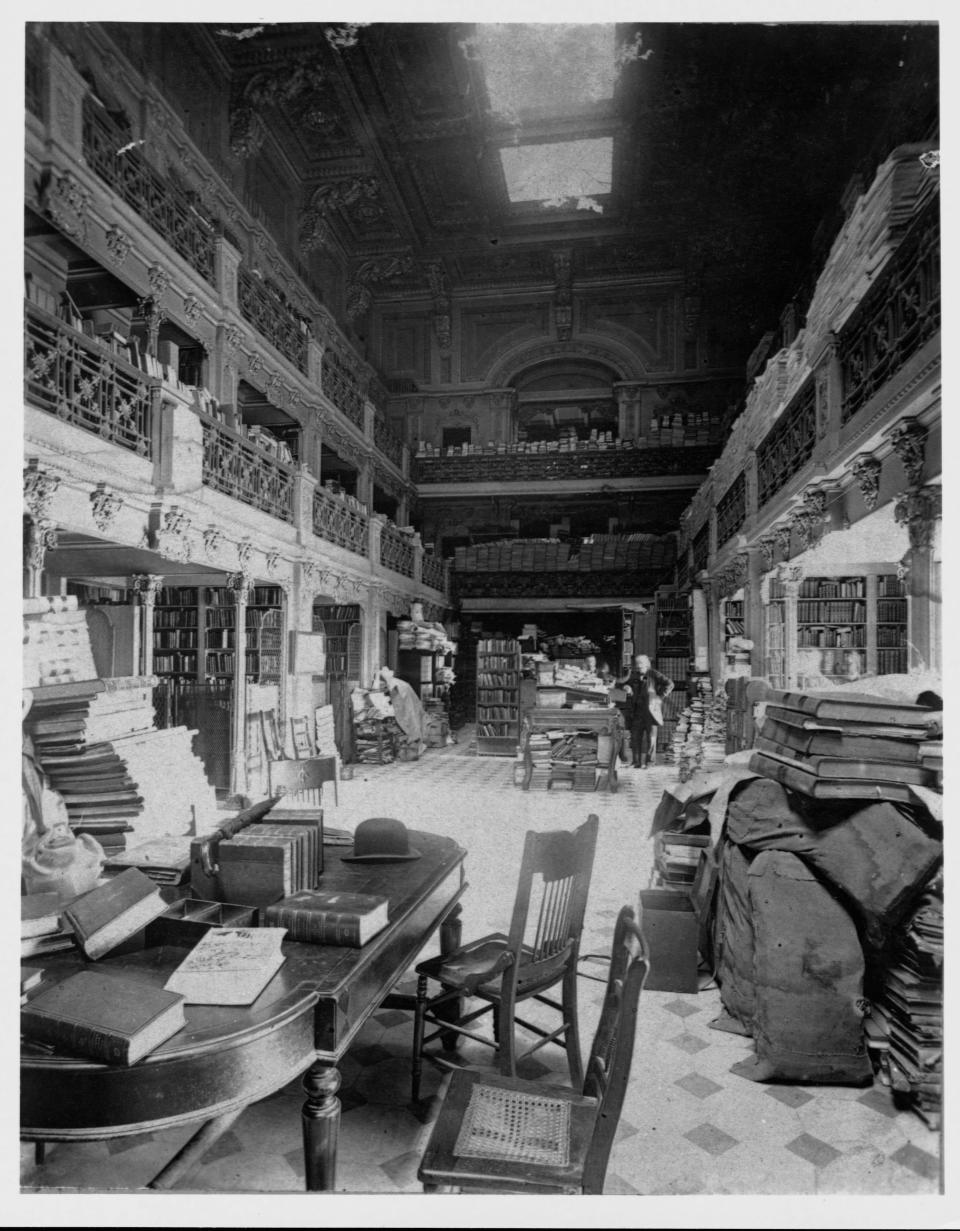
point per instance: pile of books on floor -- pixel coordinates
(676, 856)
(538, 745)
(905, 1027)
(699, 733)
(847, 745)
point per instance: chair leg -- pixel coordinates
(572, 1033)
(506, 1042)
(418, 1013)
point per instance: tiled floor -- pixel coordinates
(689, 1125)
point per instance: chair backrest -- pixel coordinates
(611, 1056)
(300, 733)
(554, 881)
(301, 780)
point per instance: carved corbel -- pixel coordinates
(866, 471)
(106, 506)
(768, 545)
(908, 438)
(172, 538)
(782, 534)
(919, 511)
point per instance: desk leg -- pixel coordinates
(321, 1126)
(451, 935)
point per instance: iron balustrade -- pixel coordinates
(396, 551)
(599, 464)
(338, 522)
(271, 317)
(701, 548)
(732, 509)
(234, 466)
(788, 444)
(389, 444)
(83, 382)
(433, 573)
(341, 387)
(897, 315)
(161, 203)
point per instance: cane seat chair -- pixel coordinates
(300, 783)
(501, 1134)
(539, 953)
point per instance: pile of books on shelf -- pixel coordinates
(848, 745)
(904, 1030)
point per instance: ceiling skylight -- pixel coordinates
(553, 68)
(563, 173)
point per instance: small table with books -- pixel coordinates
(227, 1056)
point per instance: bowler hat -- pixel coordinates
(381, 839)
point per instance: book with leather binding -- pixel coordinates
(110, 914)
(39, 914)
(841, 766)
(799, 778)
(833, 742)
(229, 965)
(330, 917)
(852, 707)
(103, 1017)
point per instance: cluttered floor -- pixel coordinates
(689, 1124)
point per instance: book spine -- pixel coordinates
(328, 928)
(75, 1038)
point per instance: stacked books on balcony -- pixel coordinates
(847, 745)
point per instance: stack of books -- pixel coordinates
(844, 745)
(905, 1026)
(271, 860)
(677, 856)
(538, 745)
(42, 927)
(164, 860)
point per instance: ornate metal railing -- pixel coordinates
(396, 551)
(732, 509)
(82, 382)
(433, 572)
(787, 445)
(234, 466)
(341, 387)
(521, 467)
(273, 318)
(162, 203)
(700, 548)
(389, 444)
(897, 315)
(571, 584)
(339, 523)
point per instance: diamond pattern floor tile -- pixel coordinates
(919, 1161)
(710, 1139)
(790, 1096)
(682, 1008)
(689, 1043)
(879, 1099)
(699, 1086)
(813, 1150)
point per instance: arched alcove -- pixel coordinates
(566, 397)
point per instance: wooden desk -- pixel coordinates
(228, 1057)
(605, 721)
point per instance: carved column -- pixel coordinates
(239, 585)
(40, 531)
(919, 511)
(145, 587)
(753, 605)
(792, 577)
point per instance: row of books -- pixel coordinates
(833, 587)
(831, 612)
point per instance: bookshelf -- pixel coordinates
(341, 625)
(832, 619)
(425, 671)
(498, 697)
(673, 636)
(775, 632)
(194, 634)
(891, 625)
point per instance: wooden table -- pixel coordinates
(227, 1057)
(607, 721)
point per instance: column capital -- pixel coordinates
(145, 587)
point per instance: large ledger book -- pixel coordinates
(164, 860)
(328, 917)
(103, 1017)
(841, 766)
(229, 966)
(112, 913)
(815, 740)
(852, 707)
(799, 778)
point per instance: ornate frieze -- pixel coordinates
(866, 470)
(563, 294)
(159, 279)
(106, 506)
(191, 308)
(272, 564)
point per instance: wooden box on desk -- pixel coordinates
(187, 919)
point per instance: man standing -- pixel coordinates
(647, 689)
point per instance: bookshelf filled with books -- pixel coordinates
(498, 697)
(776, 635)
(194, 633)
(340, 623)
(891, 625)
(673, 636)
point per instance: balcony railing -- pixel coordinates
(340, 386)
(232, 465)
(81, 382)
(277, 322)
(896, 316)
(522, 467)
(396, 551)
(572, 584)
(731, 509)
(389, 444)
(337, 522)
(788, 444)
(161, 203)
(433, 573)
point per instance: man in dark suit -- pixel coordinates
(644, 708)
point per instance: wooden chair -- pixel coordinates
(302, 781)
(494, 1134)
(505, 969)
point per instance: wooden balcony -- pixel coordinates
(588, 464)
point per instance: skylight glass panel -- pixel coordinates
(565, 173)
(553, 68)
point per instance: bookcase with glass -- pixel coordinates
(340, 624)
(194, 633)
(673, 636)
(498, 697)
